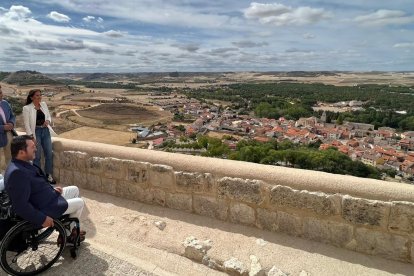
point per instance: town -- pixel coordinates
(383, 148)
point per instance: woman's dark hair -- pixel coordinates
(31, 94)
(19, 143)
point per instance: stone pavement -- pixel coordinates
(123, 238)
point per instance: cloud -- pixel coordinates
(17, 12)
(100, 20)
(64, 44)
(114, 34)
(308, 36)
(385, 17)
(281, 15)
(187, 47)
(58, 17)
(88, 18)
(249, 44)
(404, 45)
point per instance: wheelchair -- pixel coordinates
(29, 250)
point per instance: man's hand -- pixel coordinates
(8, 126)
(48, 222)
(59, 189)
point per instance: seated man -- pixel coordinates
(32, 197)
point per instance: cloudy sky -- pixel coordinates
(202, 35)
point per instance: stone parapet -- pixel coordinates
(364, 215)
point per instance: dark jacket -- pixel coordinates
(10, 118)
(32, 197)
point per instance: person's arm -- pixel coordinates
(19, 189)
(12, 117)
(26, 119)
(45, 110)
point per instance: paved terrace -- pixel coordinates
(123, 240)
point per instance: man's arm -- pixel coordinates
(18, 188)
(12, 118)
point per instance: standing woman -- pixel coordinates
(37, 121)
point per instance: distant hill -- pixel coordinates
(3, 75)
(28, 78)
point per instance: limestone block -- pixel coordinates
(389, 246)
(210, 207)
(320, 203)
(161, 176)
(366, 212)
(56, 174)
(114, 168)
(412, 252)
(94, 165)
(248, 191)
(66, 177)
(289, 224)
(331, 232)
(235, 267)
(56, 160)
(196, 249)
(155, 196)
(94, 182)
(274, 271)
(194, 182)
(109, 186)
(256, 268)
(126, 189)
(68, 160)
(137, 172)
(402, 218)
(79, 179)
(179, 201)
(266, 220)
(241, 213)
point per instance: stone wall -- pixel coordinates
(368, 216)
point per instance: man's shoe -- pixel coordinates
(50, 179)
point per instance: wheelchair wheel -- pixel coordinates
(27, 251)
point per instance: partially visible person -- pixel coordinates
(32, 197)
(7, 122)
(37, 121)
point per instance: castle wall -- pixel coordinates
(364, 215)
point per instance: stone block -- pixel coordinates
(182, 202)
(68, 160)
(126, 189)
(80, 180)
(402, 218)
(289, 224)
(319, 203)
(238, 189)
(155, 196)
(109, 186)
(241, 213)
(210, 207)
(386, 245)
(66, 177)
(266, 220)
(137, 172)
(56, 160)
(56, 174)
(94, 165)
(114, 168)
(94, 183)
(161, 176)
(412, 252)
(365, 212)
(331, 232)
(194, 182)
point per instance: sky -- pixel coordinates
(85, 36)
